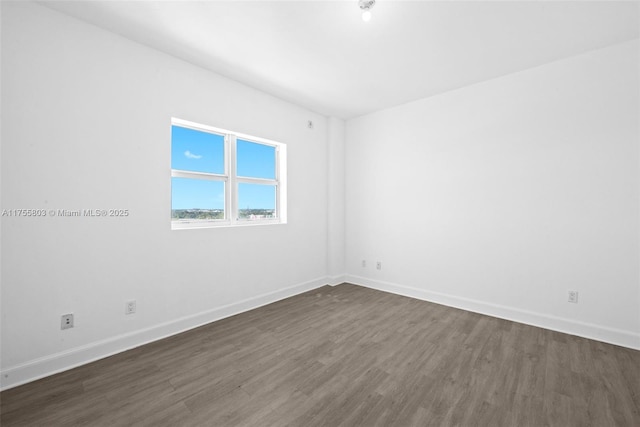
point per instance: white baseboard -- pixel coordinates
(336, 280)
(74, 357)
(586, 330)
(59, 362)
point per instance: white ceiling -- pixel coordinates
(322, 56)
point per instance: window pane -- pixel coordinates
(197, 199)
(256, 201)
(196, 151)
(256, 160)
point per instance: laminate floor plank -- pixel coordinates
(345, 356)
(628, 363)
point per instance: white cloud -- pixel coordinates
(188, 154)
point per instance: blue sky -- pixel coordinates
(197, 151)
(196, 194)
(192, 150)
(256, 160)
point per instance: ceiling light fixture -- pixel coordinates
(366, 6)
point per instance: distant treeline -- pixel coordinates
(219, 213)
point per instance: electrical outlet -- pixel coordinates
(573, 297)
(379, 265)
(66, 321)
(130, 307)
(364, 263)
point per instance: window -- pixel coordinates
(223, 178)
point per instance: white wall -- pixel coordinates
(502, 196)
(86, 125)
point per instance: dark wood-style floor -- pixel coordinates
(345, 356)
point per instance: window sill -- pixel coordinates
(191, 225)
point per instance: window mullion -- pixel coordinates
(277, 176)
(233, 184)
(263, 181)
(176, 173)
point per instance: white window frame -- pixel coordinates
(231, 180)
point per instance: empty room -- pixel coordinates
(320, 213)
